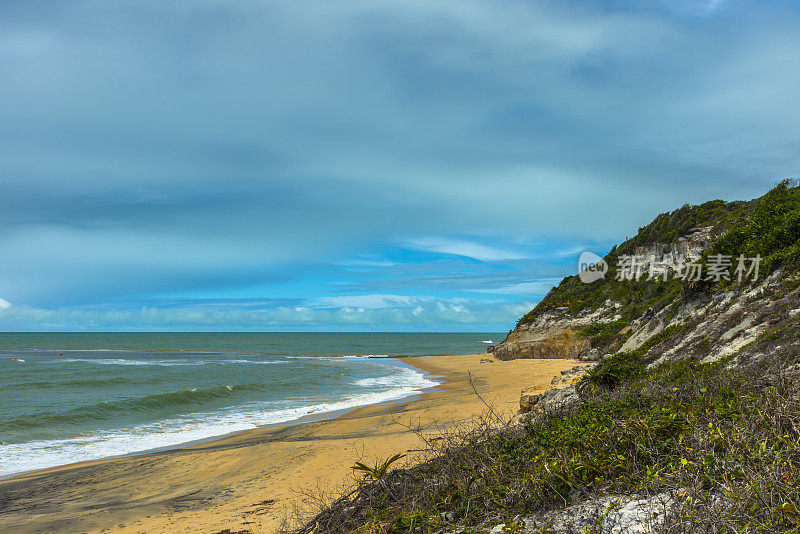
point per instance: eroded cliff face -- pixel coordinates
(732, 323)
(558, 333)
(689, 246)
(555, 334)
(705, 329)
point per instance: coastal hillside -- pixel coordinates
(701, 282)
(687, 419)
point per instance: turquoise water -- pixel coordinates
(74, 397)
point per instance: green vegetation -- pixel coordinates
(612, 372)
(719, 440)
(604, 335)
(771, 228)
(768, 226)
(634, 296)
(723, 441)
(667, 227)
(379, 470)
(624, 367)
(657, 339)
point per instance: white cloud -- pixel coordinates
(572, 251)
(4, 304)
(536, 287)
(467, 249)
(368, 301)
(414, 312)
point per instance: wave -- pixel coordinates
(163, 363)
(80, 382)
(171, 432)
(108, 410)
(170, 362)
(404, 378)
(184, 416)
(335, 357)
(123, 361)
(143, 349)
(254, 362)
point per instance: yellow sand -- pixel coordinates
(251, 480)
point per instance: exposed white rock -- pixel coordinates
(622, 514)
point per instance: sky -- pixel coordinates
(364, 165)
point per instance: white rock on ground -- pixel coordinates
(606, 515)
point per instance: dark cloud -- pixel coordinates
(240, 149)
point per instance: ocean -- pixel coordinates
(80, 396)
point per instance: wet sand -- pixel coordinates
(252, 480)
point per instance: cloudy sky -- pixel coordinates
(364, 164)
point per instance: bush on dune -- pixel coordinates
(719, 437)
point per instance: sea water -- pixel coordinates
(72, 397)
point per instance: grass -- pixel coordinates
(379, 470)
(727, 439)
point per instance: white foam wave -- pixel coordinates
(339, 357)
(123, 361)
(164, 363)
(404, 378)
(254, 362)
(16, 458)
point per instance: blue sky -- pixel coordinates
(364, 165)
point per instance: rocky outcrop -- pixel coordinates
(548, 401)
(614, 514)
(552, 341)
(726, 323)
(688, 246)
(573, 374)
(528, 398)
(706, 329)
(554, 334)
(538, 399)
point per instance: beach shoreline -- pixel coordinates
(309, 418)
(252, 480)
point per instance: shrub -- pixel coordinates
(771, 229)
(727, 440)
(613, 371)
(768, 226)
(604, 335)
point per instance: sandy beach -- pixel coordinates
(250, 481)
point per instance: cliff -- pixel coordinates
(706, 319)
